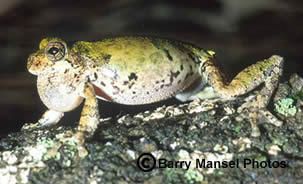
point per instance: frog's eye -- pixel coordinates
(55, 51)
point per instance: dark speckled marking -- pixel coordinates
(175, 74)
(131, 85)
(189, 74)
(125, 82)
(107, 56)
(194, 58)
(191, 56)
(172, 76)
(103, 84)
(132, 76)
(117, 88)
(159, 46)
(168, 54)
(181, 67)
(95, 75)
(171, 80)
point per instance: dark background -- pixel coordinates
(241, 33)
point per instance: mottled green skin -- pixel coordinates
(140, 70)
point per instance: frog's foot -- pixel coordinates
(78, 139)
(50, 117)
(252, 111)
(70, 138)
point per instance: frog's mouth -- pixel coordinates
(30, 60)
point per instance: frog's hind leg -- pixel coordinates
(267, 71)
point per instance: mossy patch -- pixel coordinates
(285, 107)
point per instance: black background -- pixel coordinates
(241, 33)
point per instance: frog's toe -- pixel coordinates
(82, 152)
(80, 139)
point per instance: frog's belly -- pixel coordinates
(143, 92)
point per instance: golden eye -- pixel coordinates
(55, 51)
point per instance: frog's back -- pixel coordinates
(140, 70)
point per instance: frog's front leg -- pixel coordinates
(50, 117)
(89, 119)
(267, 71)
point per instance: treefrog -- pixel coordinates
(140, 70)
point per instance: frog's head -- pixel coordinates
(52, 52)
